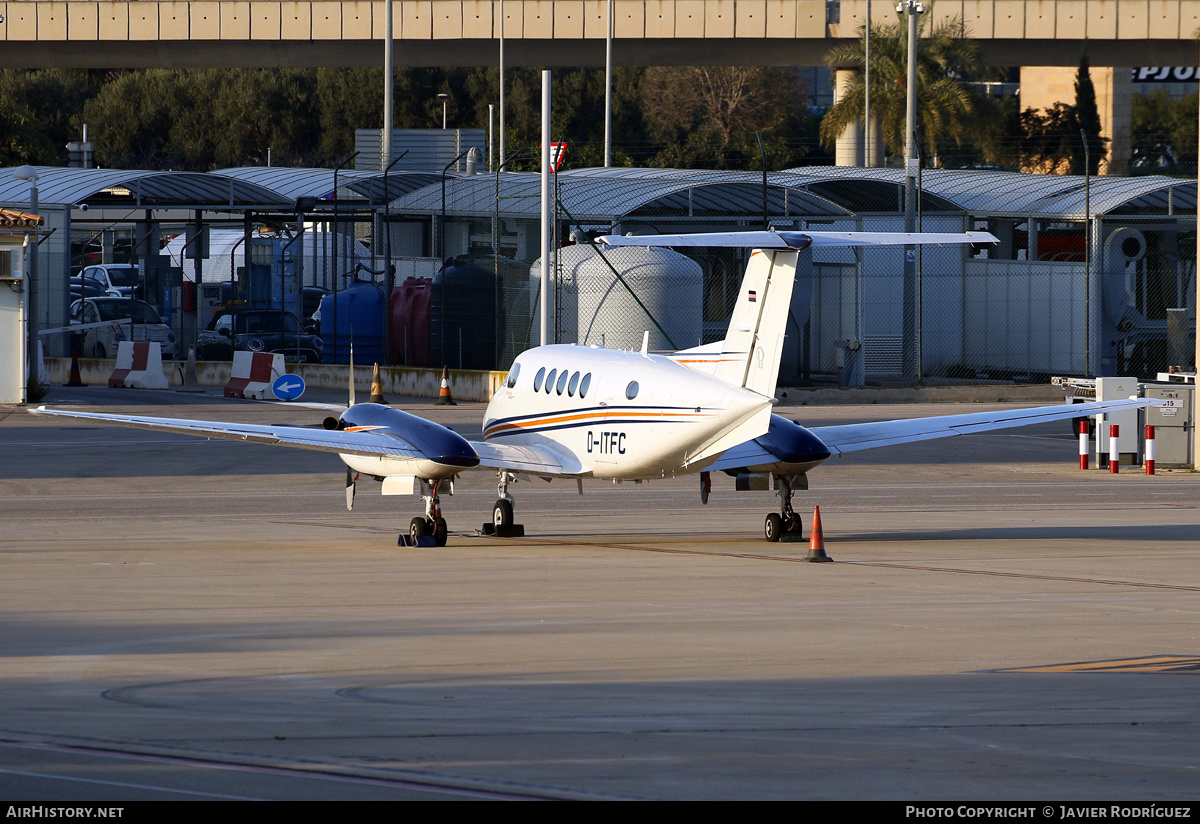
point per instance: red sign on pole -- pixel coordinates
(557, 152)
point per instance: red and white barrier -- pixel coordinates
(1149, 459)
(253, 374)
(1083, 444)
(139, 366)
(1114, 452)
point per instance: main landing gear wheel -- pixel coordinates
(502, 513)
(786, 521)
(417, 528)
(773, 527)
(440, 531)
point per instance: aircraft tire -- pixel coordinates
(795, 524)
(440, 531)
(418, 527)
(773, 527)
(502, 513)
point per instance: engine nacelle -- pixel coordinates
(752, 481)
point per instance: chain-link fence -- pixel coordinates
(1088, 277)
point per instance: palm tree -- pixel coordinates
(948, 106)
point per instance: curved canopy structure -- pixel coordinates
(989, 193)
(599, 195)
(292, 184)
(118, 188)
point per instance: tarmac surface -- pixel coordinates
(192, 619)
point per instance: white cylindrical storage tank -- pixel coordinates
(595, 307)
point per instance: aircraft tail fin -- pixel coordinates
(749, 356)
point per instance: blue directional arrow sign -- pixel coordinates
(288, 387)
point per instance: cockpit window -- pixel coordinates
(512, 375)
(537, 379)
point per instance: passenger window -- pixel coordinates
(550, 380)
(571, 387)
(583, 387)
(631, 390)
(537, 379)
(512, 375)
(562, 382)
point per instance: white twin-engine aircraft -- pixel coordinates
(569, 411)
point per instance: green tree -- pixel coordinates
(950, 109)
(709, 116)
(1087, 122)
(1164, 132)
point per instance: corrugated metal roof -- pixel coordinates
(599, 195)
(144, 189)
(988, 193)
(291, 183)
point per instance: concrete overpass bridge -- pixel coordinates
(209, 33)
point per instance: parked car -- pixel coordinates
(89, 288)
(119, 278)
(258, 330)
(130, 320)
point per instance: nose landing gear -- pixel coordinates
(502, 525)
(433, 526)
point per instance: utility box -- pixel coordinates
(1173, 424)
(1129, 421)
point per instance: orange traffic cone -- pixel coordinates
(74, 379)
(444, 398)
(376, 388)
(816, 542)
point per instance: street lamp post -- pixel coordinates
(444, 98)
(910, 8)
(608, 82)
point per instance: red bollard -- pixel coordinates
(1083, 444)
(1149, 459)
(1114, 453)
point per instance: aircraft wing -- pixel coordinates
(532, 460)
(368, 443)
(858, 436)
(798, 240)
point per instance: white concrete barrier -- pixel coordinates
(139, 366)
(253, 374)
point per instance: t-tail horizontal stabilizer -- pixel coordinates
(798, 241)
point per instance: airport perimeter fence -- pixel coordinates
(1059, 294)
